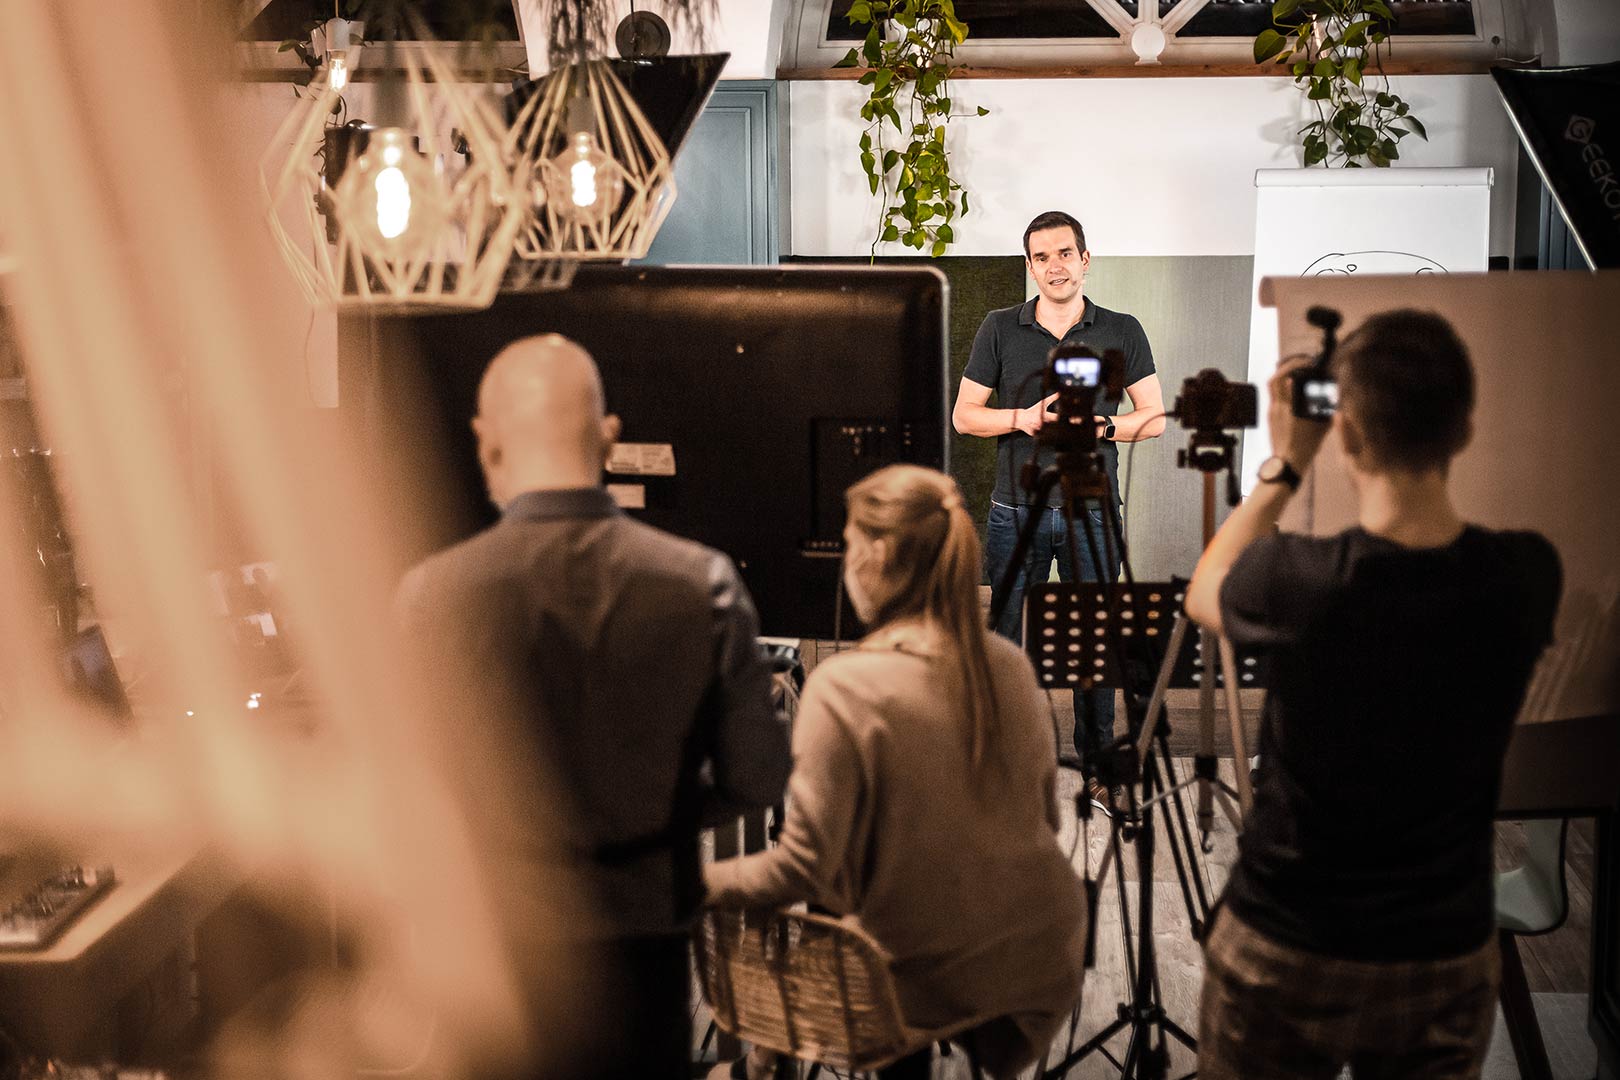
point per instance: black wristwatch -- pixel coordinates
(1108, 427)
(1277, 470)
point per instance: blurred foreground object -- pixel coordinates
(150, 312)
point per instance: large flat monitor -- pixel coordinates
(751, 398)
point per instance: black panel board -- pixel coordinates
(750, 373)
(978, 285)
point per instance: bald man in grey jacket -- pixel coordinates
(621, 663)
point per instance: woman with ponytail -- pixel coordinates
(923, 798)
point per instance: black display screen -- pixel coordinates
(773, 389)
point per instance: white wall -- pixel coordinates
(1588, 32)
(1151, 166)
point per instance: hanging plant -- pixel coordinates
(908, 73)
(1335, 49)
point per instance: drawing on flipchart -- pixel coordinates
(1372, 262)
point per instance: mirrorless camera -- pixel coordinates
(1210, 401)
(1316, 391)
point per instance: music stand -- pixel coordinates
(1067, 633)
(1074, 634)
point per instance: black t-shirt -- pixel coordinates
(1009, 354)
(1396, 674)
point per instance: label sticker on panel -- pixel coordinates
(628, 496)
(642, 459)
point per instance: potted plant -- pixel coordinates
(910, 68)
(1335, 50)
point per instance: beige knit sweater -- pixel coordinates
(957, 874)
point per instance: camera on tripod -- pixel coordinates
(1210, 406)
(1210, 401)
(1076, 375)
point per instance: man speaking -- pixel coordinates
(1009, 354)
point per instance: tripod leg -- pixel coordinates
(1161, 686)
(1164, 1026)
(1094, 1044)
(1229, 808)
(1176, 1032)
(1127, 1064)
(1234, 716)
(1104, 582)
(1024, 544)
(1179, 835)
(1207, 680)
(1124, 916)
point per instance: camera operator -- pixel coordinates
(1009, 353)
(1357, 926)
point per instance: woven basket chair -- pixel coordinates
(807, 986)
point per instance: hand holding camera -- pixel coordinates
(1295, 439)
(1305, 396)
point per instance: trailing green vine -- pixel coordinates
(910, 69)
(1335, 50)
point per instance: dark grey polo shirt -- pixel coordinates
(1009, 354)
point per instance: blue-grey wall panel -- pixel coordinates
(726, 176)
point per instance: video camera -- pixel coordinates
(1316, 391)
(1211, 402)
(1076, 374)
(1210, 406)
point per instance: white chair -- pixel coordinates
(1530, 899)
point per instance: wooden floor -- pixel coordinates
(1558, 962)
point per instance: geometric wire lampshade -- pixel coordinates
(598, 176)
(538, 275)
(390, 226)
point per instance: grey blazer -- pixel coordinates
(622, 661)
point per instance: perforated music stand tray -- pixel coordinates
(1066, 634)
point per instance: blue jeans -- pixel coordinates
(1093, 709)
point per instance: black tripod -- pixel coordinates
(1147, 1054)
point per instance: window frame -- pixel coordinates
(806, 48)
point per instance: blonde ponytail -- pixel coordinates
(934, 563)
(954, 603)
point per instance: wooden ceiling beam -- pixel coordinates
(1433, 66)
